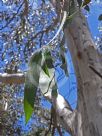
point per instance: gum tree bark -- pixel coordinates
(88, 67)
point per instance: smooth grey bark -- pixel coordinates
(88, 68)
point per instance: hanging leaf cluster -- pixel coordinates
(40, 61)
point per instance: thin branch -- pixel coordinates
(59, 130)
(50, 84)
(46, 133)
(64, 114)
(41, 39)
(26, 8)
(12, 17)
(53, 131)
(45, 30)
(18, 78)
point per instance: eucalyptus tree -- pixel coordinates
(86, 119)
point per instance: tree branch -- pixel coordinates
(17, 78)
(11, 19)
(66, 116)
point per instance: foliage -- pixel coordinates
(40, 60)
(100, 18)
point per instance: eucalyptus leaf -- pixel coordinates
(31, 83)
(48, 59)
(35, 67)
(36, 58)
(64, 62)
(86, 2)
(100, 17)
(64, 67)
(87, 8)
(29, 98)
(45, 69)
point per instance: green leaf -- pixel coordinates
(28, 110)
(36, 58)
(48, 59)
(86, 2)
(87, 8)
(31, 83)
(47, 62)
(29, 98)
(35, 67)
(64, 62)
(54, 92)
(100, 17)
(64, 67)
(45, 69)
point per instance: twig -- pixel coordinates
(50, 84)
(59, 130)
(49, 126)
(44, 30)
(17, 78)
(12, 17)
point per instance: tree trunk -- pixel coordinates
(88, 67)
